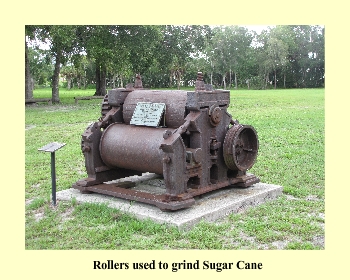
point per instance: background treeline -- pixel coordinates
(105, 56)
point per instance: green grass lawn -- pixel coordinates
(290, 126)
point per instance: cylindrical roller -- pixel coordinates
(175, 104)
(133, 147)
(240, 147)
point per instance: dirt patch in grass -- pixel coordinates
(318, 241)
(39, 214)
(312, 197)
(29, 201)
(245, 237)
(30, 126)
(67, 215)
(280, 245)
(290, 197)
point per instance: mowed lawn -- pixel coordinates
(291, 129)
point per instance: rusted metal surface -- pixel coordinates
(133, 147)
(195, 144)
(240, 147)
(138, 81)
(199, 82)
(159, 200)
(175, 102)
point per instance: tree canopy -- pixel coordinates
(170, 55)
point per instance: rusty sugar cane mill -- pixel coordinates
(187, 137)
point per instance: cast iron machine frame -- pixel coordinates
(195, 145)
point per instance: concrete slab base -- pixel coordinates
(210, 207)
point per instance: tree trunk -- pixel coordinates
(303, 77)
(103, 86)
(178, 78)
(28, 76)
(236, 86)
(211, 78)
(79, 82)
(121, 81)
(113, 80)
(223, 81)
(231, 78)
(84, 81)
(171, 79)
(98, 79)
(284, 80)
(69, 81)
(56, 79)
(275, 79)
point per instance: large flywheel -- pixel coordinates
(240, 147)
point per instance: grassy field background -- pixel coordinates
(291, 129)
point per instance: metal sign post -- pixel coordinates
(52, 148)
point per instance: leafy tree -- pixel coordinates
(287, 36)
(41, 66)
(63, 43)
(292, 56)
(100, 45)
(308, 52)
(221, 54)
(205, 60)
(179, 46)
(29, 35)
(249, 68)
(119, 49)
(239, 41)
(69, 72)
(276, 55)
(231, 45)
(315, 75)
(141, 42)
(319, 56)
(81, 69)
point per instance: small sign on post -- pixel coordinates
(52, 148)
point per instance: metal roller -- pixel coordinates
(175, 102)
(132, 147)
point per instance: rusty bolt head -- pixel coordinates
(215, 114)
(166, 159)
(86, 149)
(198, 155)
(167, 134)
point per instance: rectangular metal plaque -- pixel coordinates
(52, 147)
(148, 114)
